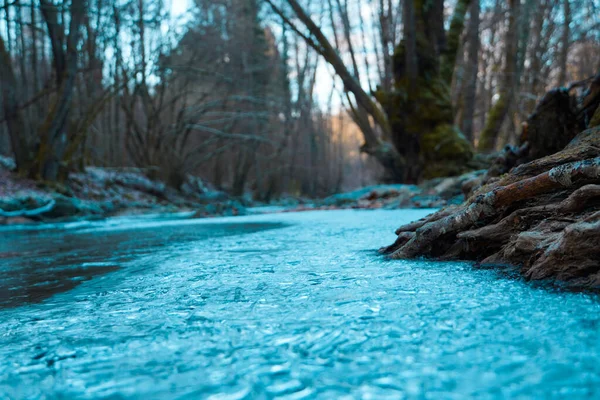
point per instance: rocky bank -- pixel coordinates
(100, 193)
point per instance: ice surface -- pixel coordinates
(295, 305)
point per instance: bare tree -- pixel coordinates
(388, 157)
(42, 158)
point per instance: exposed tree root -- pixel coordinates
(543, 216)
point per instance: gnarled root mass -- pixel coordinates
(543, 216)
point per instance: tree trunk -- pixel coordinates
(471, 71)
(410, 39)
(420, 118)
(241, 171)
(386, 37)
(53, 132)
(420, 109)
(499, 111)
(564, 51)
(12, 112)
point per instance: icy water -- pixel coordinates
(277, 306)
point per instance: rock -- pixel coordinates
(99, 192)
(133, 179)
(213, 196)
(24, 205)
(451, 187)
(194, 186)
(12, 204)
(230, 208)
(433, 193)
(7, 163)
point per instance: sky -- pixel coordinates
(179, 6)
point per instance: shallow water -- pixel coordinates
(292, 305)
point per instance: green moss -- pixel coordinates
(420, 110)
(428, 64)
(446, 142)
(420, 113)
(445, 151)
(488, 137)
(426, 114)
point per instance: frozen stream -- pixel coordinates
(292, 305)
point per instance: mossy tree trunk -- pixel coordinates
(414, 137)
(419, 107)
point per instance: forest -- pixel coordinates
(281, 98)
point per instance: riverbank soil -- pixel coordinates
(537, 208)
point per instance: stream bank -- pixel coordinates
(100, 193)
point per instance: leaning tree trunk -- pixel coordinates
(417, 115)
(543, 215)
(387, 156)
(419, 107)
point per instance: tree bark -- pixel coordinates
(410, 38)
(499, 111)
(471, 71)
(420, 108)
(386, 37)
(565, 42)
(12, 112)
(53, 131)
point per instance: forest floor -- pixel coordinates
(98, 193)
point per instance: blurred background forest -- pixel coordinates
(278, 97)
